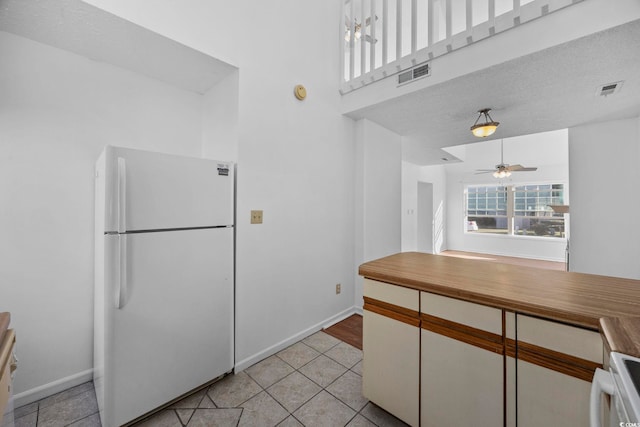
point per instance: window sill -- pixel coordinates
(516, 237)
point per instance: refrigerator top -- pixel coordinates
(146, 191)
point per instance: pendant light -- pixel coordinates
(486, 128)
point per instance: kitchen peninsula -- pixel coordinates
(450, 341)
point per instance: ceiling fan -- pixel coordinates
(503, 170)
(358, 29)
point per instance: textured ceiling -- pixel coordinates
(551, 89)
(93, 33)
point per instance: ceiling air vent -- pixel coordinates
(414, 74)
(609, 89)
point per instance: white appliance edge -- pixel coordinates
(163, 278)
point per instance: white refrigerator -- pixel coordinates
(164, 284)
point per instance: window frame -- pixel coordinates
(511, 211)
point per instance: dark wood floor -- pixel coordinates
(349, 330)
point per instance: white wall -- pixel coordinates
(425, 217)
(295, 158)
(57, 111)
(438, 177)
(409, 203)
(605, 237)
(411, 212)
(378, 195)
(548, 151)
(220, 120)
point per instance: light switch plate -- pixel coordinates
(256, 217)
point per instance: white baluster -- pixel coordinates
(372, 45)
(398, 29)
(385, 32)
(414, 26)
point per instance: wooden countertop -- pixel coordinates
(622, 334)
(574, 298)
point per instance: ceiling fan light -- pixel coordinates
(501, 173)
(486, 128)
(357, 32)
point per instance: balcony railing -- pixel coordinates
(381, 38)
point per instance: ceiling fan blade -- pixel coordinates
(520, 168)
(481, 171)
(347, 21)
(368, 20)
(370, 39)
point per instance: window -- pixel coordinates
(523, 210)
(487, 209)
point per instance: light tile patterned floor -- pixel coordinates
(75, 407)
(315, 382)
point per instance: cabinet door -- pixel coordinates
(510, 369)
(555, 364)
(391, 349)
(6, 385)
(462, 378)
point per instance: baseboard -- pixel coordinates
(65, 383)
(51, 388)
(340, 317)
(270, 351)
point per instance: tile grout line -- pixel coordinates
(348, 369)
(322, 388)
(340, 360)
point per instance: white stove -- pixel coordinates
(622, 383)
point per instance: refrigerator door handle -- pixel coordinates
(121, 273)
(122, 195)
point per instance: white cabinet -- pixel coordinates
(462, 377)
(391, 349)
(554, 371)
(6, 385)
(439, 361)
(510, 369)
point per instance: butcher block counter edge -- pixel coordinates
(621, 334)
(574, 298)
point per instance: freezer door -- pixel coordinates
(172, 316)
(153, 191)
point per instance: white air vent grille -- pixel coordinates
(609, 89)
(414, 74)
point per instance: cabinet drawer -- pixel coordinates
(466, 313)
(570, 340)
(392, 294)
